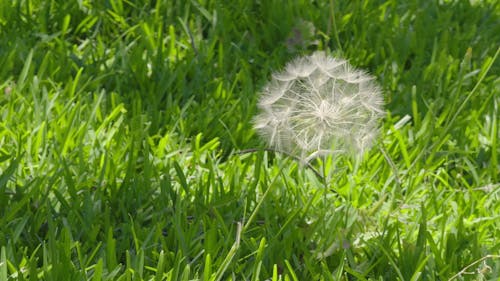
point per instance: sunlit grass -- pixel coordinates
(122, 128)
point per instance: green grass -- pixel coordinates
(121, 124)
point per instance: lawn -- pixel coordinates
(128, 149)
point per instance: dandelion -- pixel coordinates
(319, 105)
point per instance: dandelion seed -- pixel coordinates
(7, 90)
(319, 105)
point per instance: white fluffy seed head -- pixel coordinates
(319, 104)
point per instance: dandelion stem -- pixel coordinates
(308, 165)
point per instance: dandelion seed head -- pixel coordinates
(319, 104)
